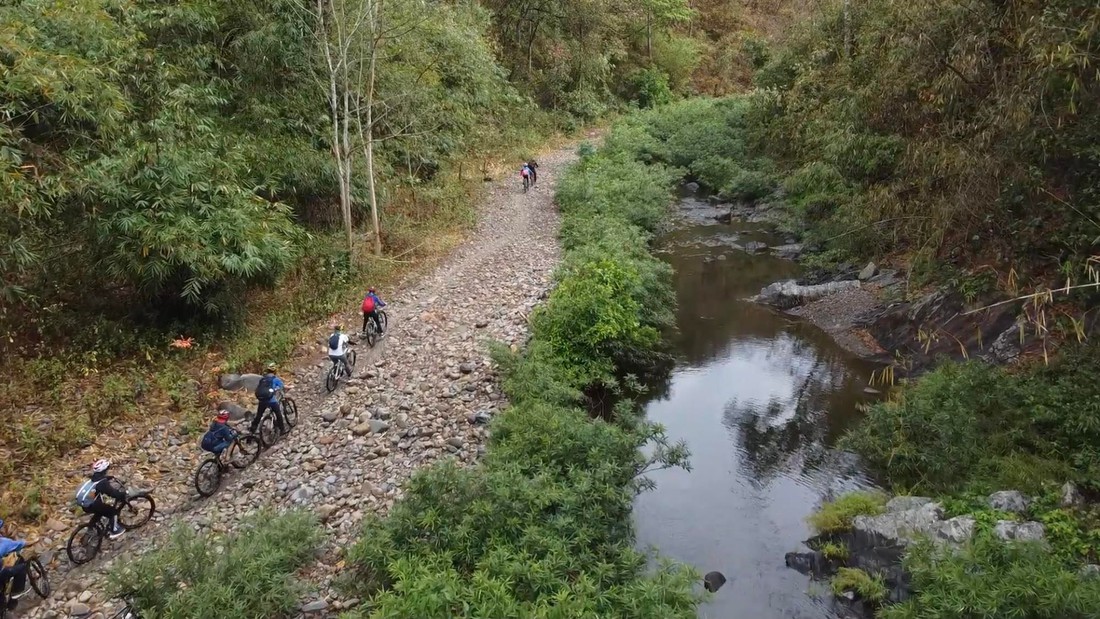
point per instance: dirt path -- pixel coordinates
(409, 405)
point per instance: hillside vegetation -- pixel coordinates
(187, 185)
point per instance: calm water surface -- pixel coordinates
(759, 397)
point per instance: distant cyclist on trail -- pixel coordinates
(90, 496)
(265, 399)
(532, 166)
(338, 344)
(371, 304)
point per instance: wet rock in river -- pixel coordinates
(789, 293)
(713, 581)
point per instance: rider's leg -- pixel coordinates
(365, 321)
(17, 574)
(377, 321)
(278, 410)
(261, 406)
(108, 513)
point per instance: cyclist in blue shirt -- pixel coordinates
(219, 436)
(265, 399)
(371, 304)
(12, 569)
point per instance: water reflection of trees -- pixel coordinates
(786, 433)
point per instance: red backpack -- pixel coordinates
(368, 304)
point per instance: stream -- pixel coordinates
(760, 398)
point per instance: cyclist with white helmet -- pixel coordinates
(90, 496)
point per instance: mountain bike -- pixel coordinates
(526, 183)
(37, 579)
(340, 370)
(242, 452)
(86, 539)
(371, 334)
(289, 408)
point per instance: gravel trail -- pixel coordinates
(411, 402)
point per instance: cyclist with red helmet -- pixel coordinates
(219, 436)
(90, 496)
(371, 304)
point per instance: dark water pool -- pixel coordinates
(759, 398)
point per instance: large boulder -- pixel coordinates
(868, 272)
(914, 518)
(1020, 531)
(789, 293)
(1010, 501)
(239, 382)
(1071, 496)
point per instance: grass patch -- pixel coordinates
(867, 587)
(834, 551)
(837, 516)
(249, 574)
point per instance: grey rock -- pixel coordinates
(378, 426)
(361, 429)
(1071, 497)
(1009, 501)
(466, 368)
(330, 416)
(456, 441)
(242, 382)
(79, 609)
(905, 503)
(868, 271)
(956, 531)
(905, 526)
(791, 251)
(315, 606)
(1090, 571)
(789, 293)
(1020, 531)
(754, 247)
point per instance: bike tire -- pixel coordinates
(90, 540)
(268, 433)
(246, 450)
(351, 361)
(137, 511)
(290, 412)
(208, 477)
(38, 579)
(384, 319)
(332, 379)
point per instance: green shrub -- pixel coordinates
(749, 185)
(836, 516)
(867, 587)
(248, 574)
(650, 88)
(834, 551)
(990, 580)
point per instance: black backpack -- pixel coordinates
(334, 341)
(264, 388)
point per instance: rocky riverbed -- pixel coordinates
(422, 394)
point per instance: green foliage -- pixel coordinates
(971, 425)
(991, 579)
(965, 131)
(650, 88)
(249, 574)
(837, 516)
(867, 587)
(542, 527)
(834, 551)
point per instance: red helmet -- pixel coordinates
(223, 416)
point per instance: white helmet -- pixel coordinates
(101, 465)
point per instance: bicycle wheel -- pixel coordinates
(138, 510)
(244, 451)
(36, 575)
(290, 412)
(351, 361)
(84, 543)
(384, 320)
(209, 477)
(268, 433)
(331, 379)
(372, 334)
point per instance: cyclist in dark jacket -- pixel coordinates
(265, 399)
(91, 492)
(219, 436)
(533, 168)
